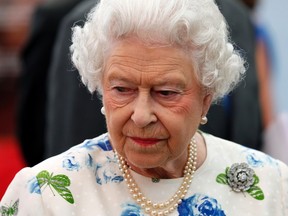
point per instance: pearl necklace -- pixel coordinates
(167, 207)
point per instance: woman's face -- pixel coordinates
(153, 103)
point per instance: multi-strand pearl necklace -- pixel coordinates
(167, 207)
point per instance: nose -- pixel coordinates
(143, 113)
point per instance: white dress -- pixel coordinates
(86, 180)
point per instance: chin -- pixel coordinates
(145, 162)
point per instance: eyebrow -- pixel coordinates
(120, 75)
(157, 82)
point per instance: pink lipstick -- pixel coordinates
(145, 141)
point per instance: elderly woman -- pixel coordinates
(158, 65)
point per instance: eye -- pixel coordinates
(167, 93)
(123, 90)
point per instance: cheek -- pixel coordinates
(116, 116)
(112, 103)
(182, 120)
(109, 103)
(188, 107)
(183, 108)
(115, 119)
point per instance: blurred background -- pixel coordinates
(40, 115)
(15, 18)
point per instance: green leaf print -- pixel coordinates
(256, 179)
(227, 170)
(58, 182)
(256, 192)
(221, 178)
(238, 177)
(10, 210)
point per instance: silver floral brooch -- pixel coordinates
(241, 178)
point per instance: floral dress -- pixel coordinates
(86, 180)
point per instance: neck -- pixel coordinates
(174, 169)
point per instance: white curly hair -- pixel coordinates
(196, 26)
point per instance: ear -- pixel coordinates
(207, 100)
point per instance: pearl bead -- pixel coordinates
(147, 209)
(166, 212)
(155, 205)
(171, 204)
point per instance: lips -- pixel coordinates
(146, 141)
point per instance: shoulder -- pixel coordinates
(58, 180)
(270, 175)
(230, 152)
(79, 155)
(78, 159)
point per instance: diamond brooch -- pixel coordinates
(241, 178)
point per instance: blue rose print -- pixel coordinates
(131, 210)
(105, 145)
(33, 186)
(105, 172)
(102, 143)
(254, 161)
(69, 163)
(200, 205)
(259, 159)
(108, 172)
(88, 144)
(89, 161)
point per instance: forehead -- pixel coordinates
(129, 58)
(143, 54)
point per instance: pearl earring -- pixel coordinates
(204, 120)
(103, 110)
